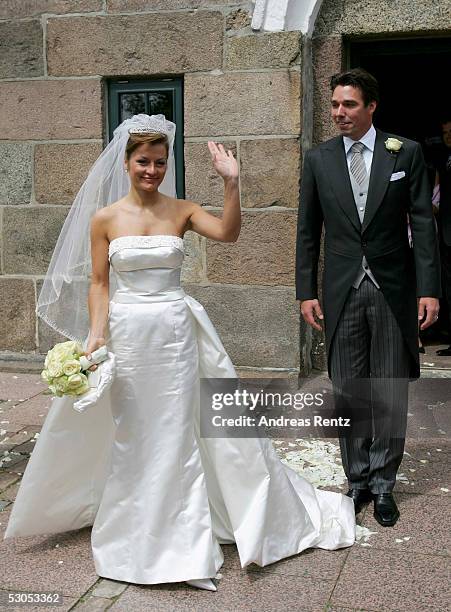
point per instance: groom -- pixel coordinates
(362, 186)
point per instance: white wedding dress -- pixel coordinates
(159, 497)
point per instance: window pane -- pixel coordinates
(161, 102)
(132, 104)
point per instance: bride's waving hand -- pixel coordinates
(227, 228)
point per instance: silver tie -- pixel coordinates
(357, 167)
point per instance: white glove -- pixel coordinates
(99, 381)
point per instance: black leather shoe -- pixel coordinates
(386, 511)
(444, 352)
(360, 497)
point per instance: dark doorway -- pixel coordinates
(413, 75)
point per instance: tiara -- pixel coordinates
(154, 124)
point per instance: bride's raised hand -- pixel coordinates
(223, 161)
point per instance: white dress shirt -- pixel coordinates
(369, 140)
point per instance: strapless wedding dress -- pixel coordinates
(159, 497)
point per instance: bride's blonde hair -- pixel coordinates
(152, 138)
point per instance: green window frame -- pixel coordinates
(127, 98)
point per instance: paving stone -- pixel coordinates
(30, 8)
(245, 592)
(21, 52)
(26, 448)
(93, 604)
(17, 303)
(35, 560)
(427, 448)
(11, 460)
(268, 50)
(392, 580)
(133, 44)
(270, 173)
(256, 103)
(20, 386)
(66, 109)
(427, 416)
(19, 468)
(313, 564)
(66, 605)
(53, 184)
(7, 431)
(6, 478)
(20, 442)
(332, 608)
(29, 413)
(10, 493)
(15, 173)
(23, 434)
(29, 238)
(109, 588)
(203, 184)
(258, 325)
(423, 520)
(424, 476)
(264, 254)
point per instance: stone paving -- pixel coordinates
(403, 568)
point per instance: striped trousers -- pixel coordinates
(369, 364)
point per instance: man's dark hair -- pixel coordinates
(360, 79)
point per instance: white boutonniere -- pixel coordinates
(393, 145)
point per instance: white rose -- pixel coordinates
(60, 385)
(77, 381)
(46, 376)
(71, 367)
(54, 390)
(82, 389)
(54, 368)
(393, 144)
(75, 347)
(65, 350)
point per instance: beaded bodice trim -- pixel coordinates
(144, 242)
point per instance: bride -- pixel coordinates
(160, 498)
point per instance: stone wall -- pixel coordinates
(240, 88)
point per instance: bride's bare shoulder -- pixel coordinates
(186, 207)
(104, 218)
(107, 213)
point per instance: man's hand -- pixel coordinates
(310, 309)
(429, 307)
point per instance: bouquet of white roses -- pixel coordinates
(66, 368)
